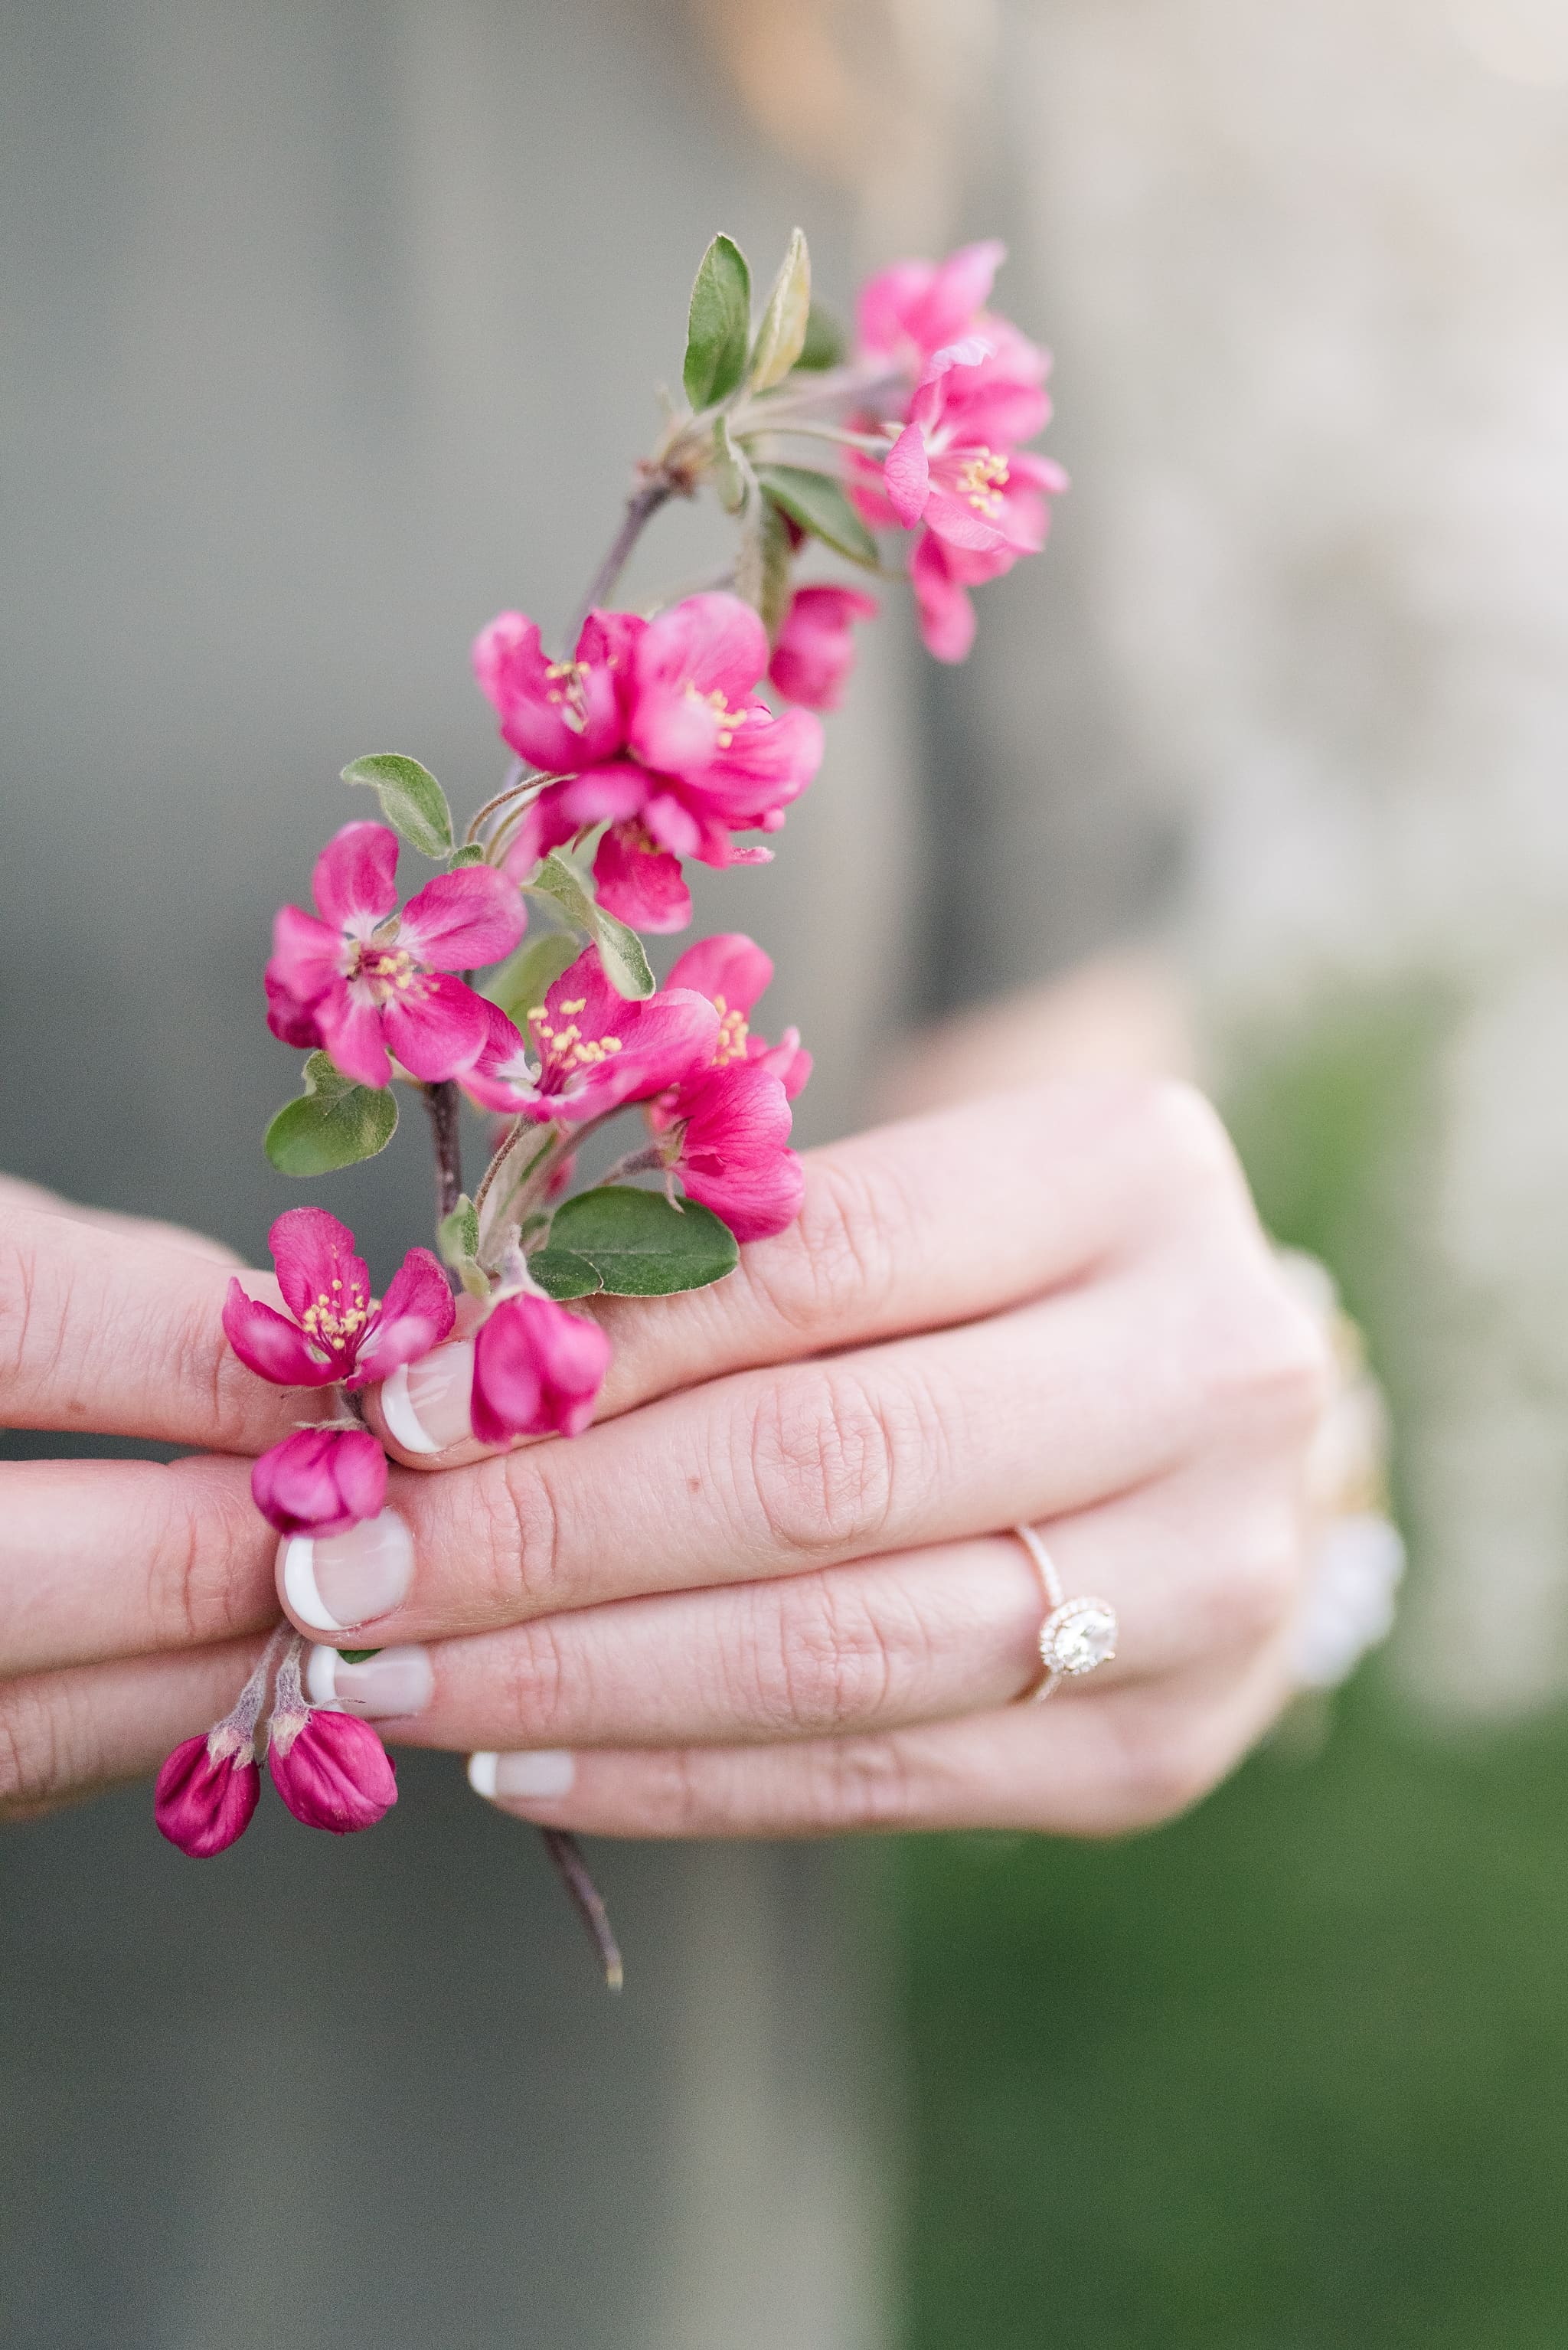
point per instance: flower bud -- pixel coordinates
(207, 1791)
(320, 1480)
(331, 1770)
(538, 1371)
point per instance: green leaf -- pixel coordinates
(630, 1244)
(412, 802)
(471, 853)
(825, 341)
(763, 566)
(781, 337)
(817, 502)
(719, 325)
(732, 476)
(457, 1235)
(358, 1656)
(525, 978)
(334, 1123)
(621, 948)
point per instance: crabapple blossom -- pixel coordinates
(912, 308)
(588, 1049)
(727, 1138)
(320, 1480)
(815, 649)
(701, 759)
(339, 1332)
(207, 1792)
(732, 972)
(365, 982)
(537, 1370)
(559, 715)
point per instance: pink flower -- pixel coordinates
(320, 1480)
(331, 1769)
(728, 1140)
(559, 715)
(974, 497)
(339, 1332)
(207, 1792)
(365, 982)
(537, 1370)
(732, 971)
(815, 649)
(910, 310)
(703, 759)
(588, 1049)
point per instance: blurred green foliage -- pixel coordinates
(1291, 2073)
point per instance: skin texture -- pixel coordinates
(766, 1593)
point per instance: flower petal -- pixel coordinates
(729, 966)
(464, 919)
(307, 955)
(416, 1315)
(272, 1346)
(438, 1029)
(316, 1256)
(355, 877)
(908, 476)
(351, 1030)
(320, 1480)
(639, 883)
(714, 642)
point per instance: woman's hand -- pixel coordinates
(130, 1592)
(771, 1592)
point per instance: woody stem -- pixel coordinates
(440, 1100)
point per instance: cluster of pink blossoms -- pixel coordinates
(653, 742)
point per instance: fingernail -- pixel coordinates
(426, 1404)
(333, 1582)
(547, 1771)
(394, 1680)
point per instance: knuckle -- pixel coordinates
(1263, 1585)
(1160, 1771)
(193, 1593)
(848, 1243)
(34, 1296)
(537, 1681)
(814, 1659)
(824, 1454)
(1179, 1130)
(515, 1569)
(1267, 1356)
(30, 1759)
(860, 1783)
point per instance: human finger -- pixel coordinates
(15, 1193)
(70, 1734)
(1047, 1409)
(121, 1558)
(1084, 1765)
(120, 1334)
(1196, 1570)
(915, 1226)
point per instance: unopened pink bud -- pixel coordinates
(331, 1770)
(206, 1792)
(538, 1371)
(320, 1480)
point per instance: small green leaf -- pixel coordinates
(825, 341)
(781, 337)
(763, 566)
(719, 325)
(358, 1656)
(524, 979)
(457, 1235)
(412, 802)
(471, 853)
(631, 1243)
(334, 1123)
(621, 948)
(817, 502)
(732, 476)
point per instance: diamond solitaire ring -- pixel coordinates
(1077, 1635)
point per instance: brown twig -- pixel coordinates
(566, 1854)
(440, 1100)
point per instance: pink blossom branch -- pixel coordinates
(440, 1100)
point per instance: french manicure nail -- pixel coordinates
(545, 1772)
(426, 1404)
(333, 1582)
(392, 1681)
